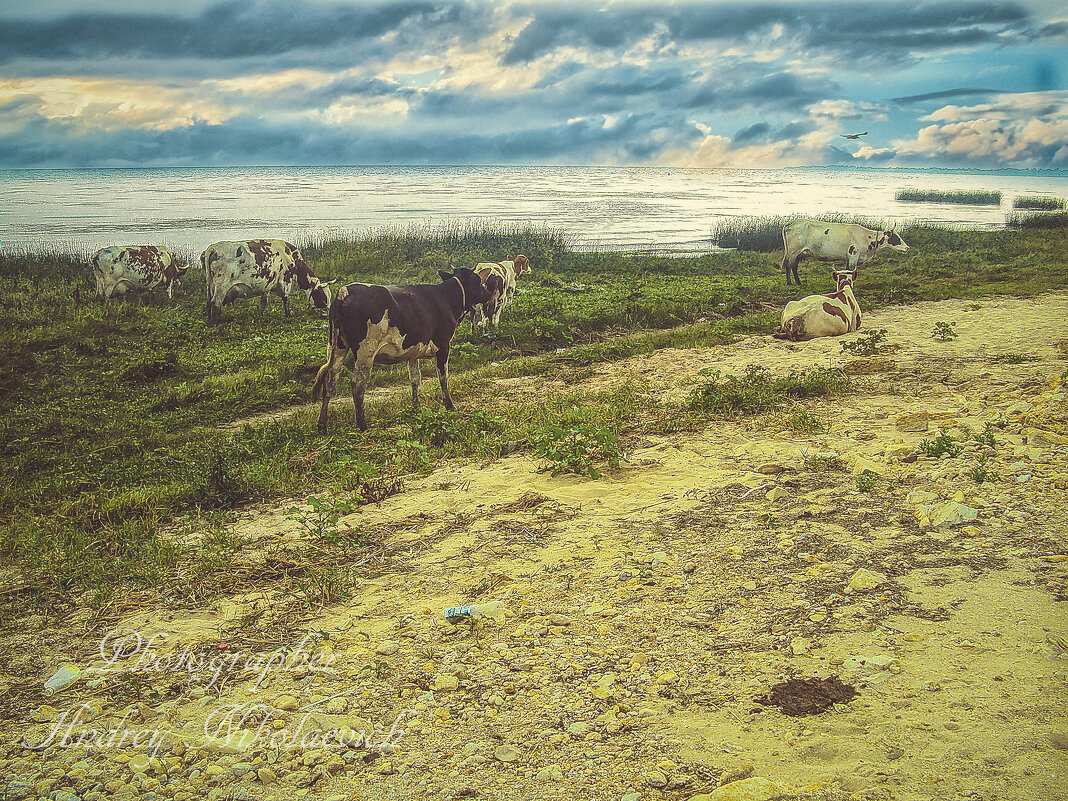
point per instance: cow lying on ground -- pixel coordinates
(394, 324)
(504, 273)
(255, 268)
(135, 268)
(823, 315)
(824, 241)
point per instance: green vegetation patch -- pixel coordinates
(966, 197)
(758, 390)
(1038, 203)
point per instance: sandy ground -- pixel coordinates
(646, 611)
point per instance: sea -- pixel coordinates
(636, 209)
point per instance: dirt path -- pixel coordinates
(647, 611)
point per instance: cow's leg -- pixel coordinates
(360, 374)
(263, 303)
(443, 377)
(415, 374)
(786, 266)
(285, 301)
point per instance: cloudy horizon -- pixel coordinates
(105, 83)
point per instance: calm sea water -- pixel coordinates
(661, 209)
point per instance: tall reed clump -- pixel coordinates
(764, 234)
(417, 252)
(965, 197)
(1038, 203)
(1041, 219)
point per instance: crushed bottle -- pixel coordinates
(62, 679)
(493, 610)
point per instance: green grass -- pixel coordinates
(120, 422)
(967, 197)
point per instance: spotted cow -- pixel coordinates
(503, 275)
(256, 268)
(824, 241)
(135, 268)
(392, 325)
(823, 315)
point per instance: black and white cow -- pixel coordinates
(395, 324)
(135, 268)
(824, 241)
(256, 268)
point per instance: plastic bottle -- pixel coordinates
(493, 610)
(62, 679)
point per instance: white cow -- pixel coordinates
(506, 273)
(135, 268)
(256, 268)
(823, 315)
(824, 241)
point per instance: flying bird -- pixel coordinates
(853, 136)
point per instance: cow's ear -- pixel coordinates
(444, 275)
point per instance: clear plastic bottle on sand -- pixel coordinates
(493, 610)
(62, 679)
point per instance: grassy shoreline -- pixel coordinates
(114, 417)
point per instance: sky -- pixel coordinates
(118, 83)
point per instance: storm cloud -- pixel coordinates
(458, 81)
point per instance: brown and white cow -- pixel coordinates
(505, 274)
(256, 268)
(825, 241)
(395, 324)
(135, 268)
(823, 315)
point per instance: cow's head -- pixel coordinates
(474, 291)
(894, 241)
(844, 278)
(520, 263)
(319, 296)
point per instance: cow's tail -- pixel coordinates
(326, 378)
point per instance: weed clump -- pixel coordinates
(757, 390)
(575, 449)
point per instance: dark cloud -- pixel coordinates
(943, 95)
(868, 31)
(756, 132)
(227, 31)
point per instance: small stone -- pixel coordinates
(387, 648)
(266, 775)
(777, 494)
(578, 728)
(756, 788)
(656, 779)
(865, 579)
(689, 567)
(505, 753)
(920, 421)
(799, 646)
(1059, 740)
(953, 514)
(445, 682)
(287, 703)
(559, 620)
(385, 768)
(770, 468)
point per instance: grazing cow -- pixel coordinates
(826, 241)
(394, 324)
(503, 274)
(823, 315)
(135, 268)
(256, 268)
